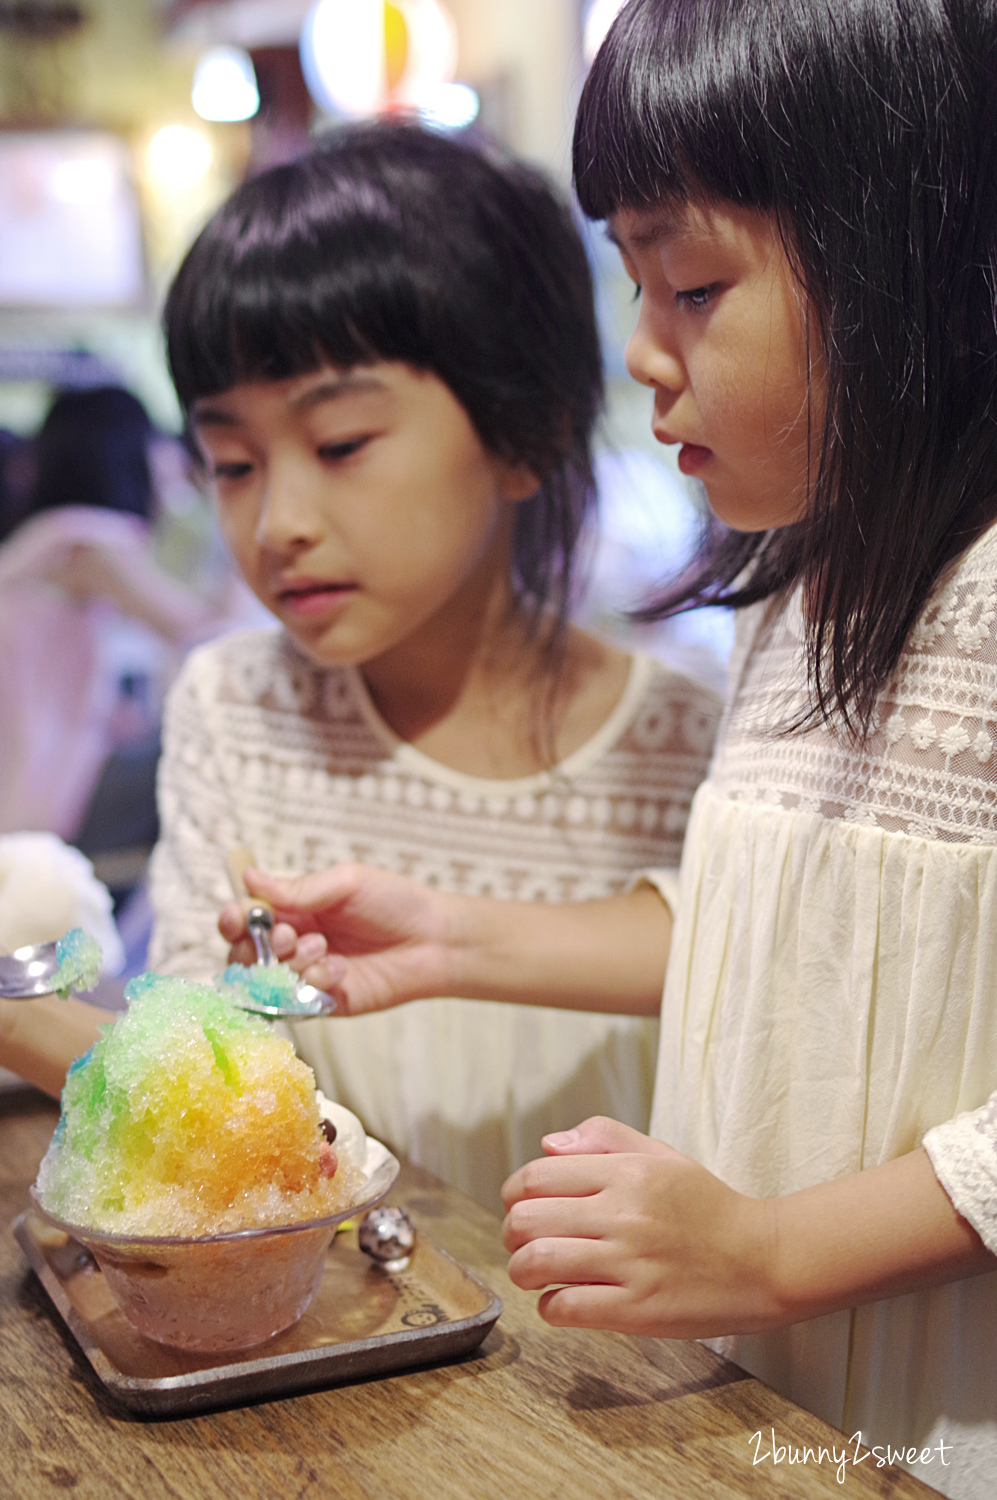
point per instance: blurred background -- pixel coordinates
(123, 123)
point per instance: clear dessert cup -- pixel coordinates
(222, 1292)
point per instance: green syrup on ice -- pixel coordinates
(79, 958)
(266, 984)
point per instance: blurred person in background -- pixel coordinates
(88, 619)
(17, 479)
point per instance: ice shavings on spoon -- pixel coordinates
(79, 959)
(275, 986)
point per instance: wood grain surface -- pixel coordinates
(535, 1413)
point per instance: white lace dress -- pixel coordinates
(261, 748)
(831, 999)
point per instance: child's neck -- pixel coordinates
(471, 688)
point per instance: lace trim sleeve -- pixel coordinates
(198, 824)
(963, 1153)
(665, 882)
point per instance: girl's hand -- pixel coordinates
(631, 1236)
(374, 939)
(368, 937)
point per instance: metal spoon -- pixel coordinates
(27, 972)
(309, 1001)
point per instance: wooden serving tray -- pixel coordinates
(362, 1321)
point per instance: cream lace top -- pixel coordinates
(831, 999)
(261, 748)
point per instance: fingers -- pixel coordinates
(232, 922)
(555, 1177)
(242, 952)
(605, 1307)
(288, 947)
(298, 951)
(535, 1219)
(561, 1262)
(328, 972)
(600, 1135)
(303, 892)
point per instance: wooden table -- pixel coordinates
(536, 1413)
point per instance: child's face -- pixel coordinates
(722, 342)
(359, 504)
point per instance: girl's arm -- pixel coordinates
(131, 579)
(629, 1235)
(375, 939)
(39, 1038)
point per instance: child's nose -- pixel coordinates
(289, 516)
(650, 362)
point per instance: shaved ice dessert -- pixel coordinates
(273, 985)
(188, 1118)
(202, 1171)
(79, 959)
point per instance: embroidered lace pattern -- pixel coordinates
(264, 749)
(963, 1153)
(929, 769)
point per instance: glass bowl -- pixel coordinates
(222, 1292)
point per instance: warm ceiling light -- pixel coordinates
(178, 156)
(225, 85)
(362, 56)
(451, 106)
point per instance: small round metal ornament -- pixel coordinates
(387, 1235)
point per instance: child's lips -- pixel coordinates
(692, 458)
(315, 597)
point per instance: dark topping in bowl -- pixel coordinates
(328, 1129)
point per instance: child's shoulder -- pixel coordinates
(669, 709)
(960, 618)
(260, 668)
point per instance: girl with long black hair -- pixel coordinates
(806, 196)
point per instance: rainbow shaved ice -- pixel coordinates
(190, 1117)
(79, 959)
(274, 985)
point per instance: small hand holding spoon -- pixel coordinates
(279, 994)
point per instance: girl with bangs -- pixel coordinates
(806, 198)
(388, 357)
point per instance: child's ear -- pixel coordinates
(518, 482)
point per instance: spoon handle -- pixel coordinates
(259, 913)
(237, 862)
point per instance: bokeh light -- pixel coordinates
(225, 85)
(177, 157)
(452, 106)
(362, 56)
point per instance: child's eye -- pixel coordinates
(697, 296)
(231, 470)
(636, 295)
(342, 450)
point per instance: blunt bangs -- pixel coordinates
(674, 105)
(868, 128)
(392, 242)
(389, 242)
(301, 268)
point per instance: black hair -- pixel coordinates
(868, 128)
(92, 449)
(391, 242)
